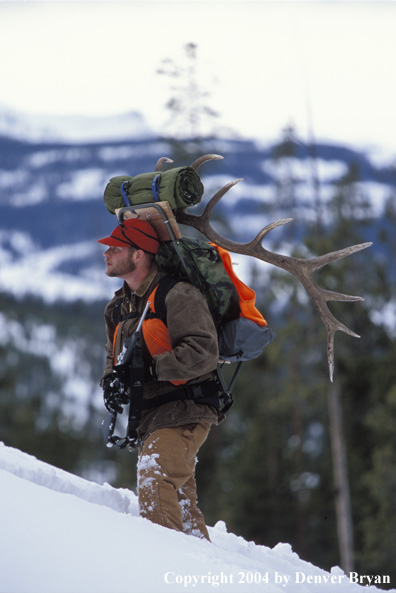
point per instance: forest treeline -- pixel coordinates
(268, 470)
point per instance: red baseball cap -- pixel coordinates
(136, 232)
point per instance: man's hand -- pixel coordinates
(115, 393)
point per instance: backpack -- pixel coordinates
(242, 330)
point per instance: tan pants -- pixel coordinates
(166, 478)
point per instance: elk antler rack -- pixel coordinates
(302, 269)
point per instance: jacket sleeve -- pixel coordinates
(192, 335)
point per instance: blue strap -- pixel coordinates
(123, 189)
(155, 188)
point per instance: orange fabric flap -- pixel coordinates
(247, 296)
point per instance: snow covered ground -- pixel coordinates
(63, 534)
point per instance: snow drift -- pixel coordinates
(63, 534)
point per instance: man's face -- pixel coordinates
(119, 261)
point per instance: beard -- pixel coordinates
(121, 268)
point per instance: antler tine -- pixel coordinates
(203, 159)
(320, 298)
(217, 197)
(331, 330)
(318, 262)
(161, 162)
(270, 227)
(302, 269)
(330, 353)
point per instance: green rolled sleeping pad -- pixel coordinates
(181, 187)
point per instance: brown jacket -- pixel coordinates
(193, 357)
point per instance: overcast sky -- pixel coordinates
(266, 64)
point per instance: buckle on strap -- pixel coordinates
(200, 390)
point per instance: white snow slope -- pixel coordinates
(63, 534)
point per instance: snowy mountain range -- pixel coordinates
(64, 534)
(53, 172)
(36, 129)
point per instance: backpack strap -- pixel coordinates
(116, 315)
(117, 311)
(161, 291)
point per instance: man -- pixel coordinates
(180, 396)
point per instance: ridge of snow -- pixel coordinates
(48, 281)
(75, 536)
(43, 474)
(31, 127)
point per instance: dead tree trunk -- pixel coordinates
(342, 494)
